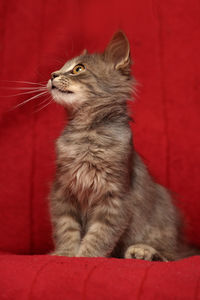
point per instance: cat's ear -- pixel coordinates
(118, 51)
(84, 52)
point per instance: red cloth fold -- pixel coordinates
(59, 278)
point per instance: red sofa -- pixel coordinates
(37, 37)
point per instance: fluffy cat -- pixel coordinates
(103, 201)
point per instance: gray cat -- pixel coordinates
(103, 200)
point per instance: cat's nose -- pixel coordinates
(54, 75)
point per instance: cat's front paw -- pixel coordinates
(145, 252)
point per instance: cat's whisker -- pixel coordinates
(23, 88)
(42, 83)
(44, 101)
(28, 100)
(45, 104)
(25, 93)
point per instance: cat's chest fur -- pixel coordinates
(88, 161)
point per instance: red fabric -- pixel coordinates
(37, 37)
(60, 278)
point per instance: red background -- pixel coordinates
(36, 38)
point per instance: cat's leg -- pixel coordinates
(66, 224)
(104, 229)
(145, 252)
(67, 234)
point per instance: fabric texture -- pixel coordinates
(37, 37)
(57, 278)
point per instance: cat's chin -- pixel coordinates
(68, 100)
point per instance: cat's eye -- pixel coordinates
(78, 69)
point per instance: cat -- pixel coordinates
(103, 201)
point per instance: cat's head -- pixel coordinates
(89, 77)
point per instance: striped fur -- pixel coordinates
(103, 201)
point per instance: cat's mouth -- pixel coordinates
(53, 87)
